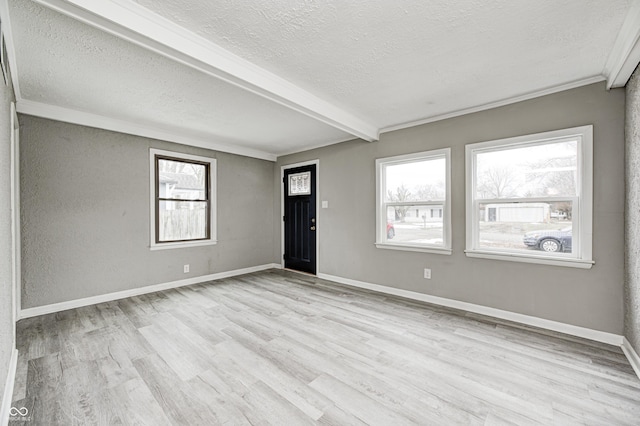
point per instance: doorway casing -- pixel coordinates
(318, 218)
(16, 276)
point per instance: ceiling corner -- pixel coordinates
(625, 54)
(10, 46)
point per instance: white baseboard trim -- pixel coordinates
(7, 396)
(632, 355)
(573, 330)
(93, 300)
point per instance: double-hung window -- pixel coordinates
(414, 202)
(529, 198)
(182, 199)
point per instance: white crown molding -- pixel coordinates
(68, 115)
(132, 22)
(315, 146)
(632, 356)
(573, 330)
(11, 51)
(625, 54)
(109, 297)
(497, 104)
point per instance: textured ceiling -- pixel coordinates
(67, 63)
(404, 60)
(389, 62)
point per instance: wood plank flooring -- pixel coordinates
(279, 348)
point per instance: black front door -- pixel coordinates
(300, 218)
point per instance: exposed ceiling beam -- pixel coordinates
(625, 54)
(132, 22)
(72, 116)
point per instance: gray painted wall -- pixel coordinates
(632, 219)
(6, 295)
(85, 214)
(588, 298)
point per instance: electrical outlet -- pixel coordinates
(186, 268)
(427, 273)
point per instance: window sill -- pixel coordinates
(186, 244)
(423, 249)
(516, 257)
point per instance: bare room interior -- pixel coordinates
(305, 212)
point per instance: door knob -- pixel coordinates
(313, 228)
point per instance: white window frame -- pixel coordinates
(582, 224)
(381, 205)
(153, 245)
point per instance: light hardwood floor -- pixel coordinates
(282, 348)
